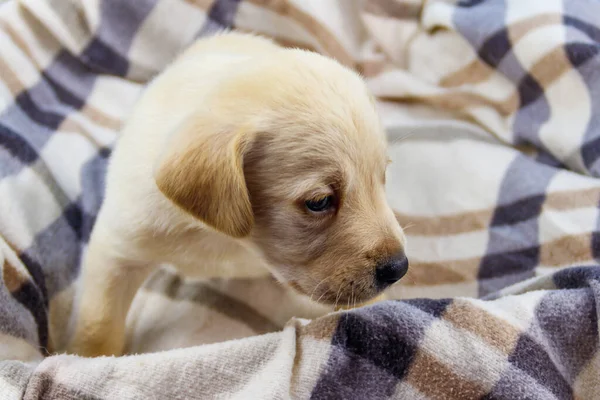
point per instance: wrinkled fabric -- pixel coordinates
(492, 111)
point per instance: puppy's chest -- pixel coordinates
(210, 256)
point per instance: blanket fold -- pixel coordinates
(492, 112)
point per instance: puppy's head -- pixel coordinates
(291, 158)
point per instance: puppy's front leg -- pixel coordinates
(106, 289)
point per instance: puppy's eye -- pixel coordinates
(320, 205)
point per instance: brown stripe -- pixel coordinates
(281, 41)
(573, 199)
(13, 280)
(393, 9)
(446, 224)
(70, 125)
(442, 272)
(498, 333)
(15, 86)
(308, 361)
(519, 29)
(477, 71)
(527, 149)
(285, 42)
(100, 117)
(437, 380)
(371, 68)
(551, 67)
(204, 5)
(172, 286)
(322, 328)
(567, 250)
(10, 79)
(331, 46)
(587, 381)
(472, 221)
(18, 41)
(12, 246)
(460, 101)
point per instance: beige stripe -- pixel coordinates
(18, 41)
(204, 5)
(70, 125)
(322, 328)
(10, 79)
(289, 43)
(587, 382)
(172, 286)
(478, 71)
(475, 72)
(442, 272)
(14, 348)
(519, 29)
(551, 67)
(572, 199)
(281, 41)
(567, 250)
(560, 252)
(498, 333)
(480, 219)
(371, 68)
(446, 224)
(437, 380)
(329, 42)
(310, 360)
(460, 101)
(100, 117)
(15, 86)
(393, 9)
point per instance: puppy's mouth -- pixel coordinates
(349, 290)
(349, 295)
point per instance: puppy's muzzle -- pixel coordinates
(391, 270)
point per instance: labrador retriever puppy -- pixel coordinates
(243, 157)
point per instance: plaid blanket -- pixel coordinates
(493, 112)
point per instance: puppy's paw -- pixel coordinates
(96, 343)
(92, 349)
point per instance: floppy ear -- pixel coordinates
(201, 171)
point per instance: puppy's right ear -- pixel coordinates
(201, 171)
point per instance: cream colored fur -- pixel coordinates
(211, 172)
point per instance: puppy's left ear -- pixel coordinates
(201, 171)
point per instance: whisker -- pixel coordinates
(404, 137)
(320, 297)
(409, 225)
(316, 287)
(337, 297)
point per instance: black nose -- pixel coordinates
(390, 270)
